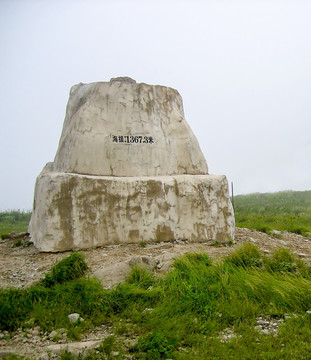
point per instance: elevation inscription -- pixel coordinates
(132, 139)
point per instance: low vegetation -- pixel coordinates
(15, 220)
(200, 310)
(286, 210)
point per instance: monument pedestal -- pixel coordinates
(73, 211)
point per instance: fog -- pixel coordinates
(241, 67)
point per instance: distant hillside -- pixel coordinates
(285, 210)
(14, 220)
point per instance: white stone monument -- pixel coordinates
(128, 169)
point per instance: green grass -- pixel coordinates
(14, 220)
(179, 315)
(287, 210)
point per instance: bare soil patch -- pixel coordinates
(22, 266)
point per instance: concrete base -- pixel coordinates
(73, 211)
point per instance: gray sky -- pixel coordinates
(243, 69)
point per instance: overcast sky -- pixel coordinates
(243, 69)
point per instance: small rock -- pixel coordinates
(302, 255)
(252, 240)
(144, 261)
(44, 356)
(147, 310)
(308, 312)
(74, 348)
(53, 334)
(73, 318)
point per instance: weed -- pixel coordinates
(282, 260)
(216, 244)
(230, 242)
(141, 277)
(156, 345)
(142, 244)
(68, 269)
(247, 255)
(21, 242)
(66, 355)
(121, 328)
(13, 357)
(189, 260)
(17, 243)
(107, 345)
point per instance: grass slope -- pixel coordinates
(286, 210)
(14, 220)
(182, 314)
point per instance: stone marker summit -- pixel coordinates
(128, 169)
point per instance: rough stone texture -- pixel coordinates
(74, 348)
(115, 274)
(73, 318)
(77, 211)
(160, 140)
(128, 169)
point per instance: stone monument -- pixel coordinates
(128, 169)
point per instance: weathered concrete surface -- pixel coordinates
(128, 169)
(73, 211)
(121, 128)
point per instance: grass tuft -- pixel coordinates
(246, 256)
(156, 345)
(70, 268)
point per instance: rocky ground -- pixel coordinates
(23, 266)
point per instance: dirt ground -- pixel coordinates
(23, 266)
